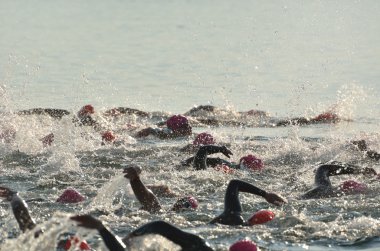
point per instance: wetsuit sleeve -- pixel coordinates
(200, 159)
(112, 242)
(148, 200)
(231, 199)
(325, 171)
(187, 241)
(232, 207)
(21, 213)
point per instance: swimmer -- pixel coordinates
(323, 118)
(232, 208)
(26, 222)
(54, 113)
(200, 161)
(362, 146)
(187, 241)
(324, 188)
(125, 110)
(148, 199)
(176, 126)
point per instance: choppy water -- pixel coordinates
(289, 58)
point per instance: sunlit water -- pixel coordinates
(288, 58)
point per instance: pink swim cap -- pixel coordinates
(87, 109)
(243, 245)
(204, 138)
(70, 195)
(261, 217)
(353, 186)
(251, 162)
(108, 136)
(177, 122)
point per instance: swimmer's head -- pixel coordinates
(86, 110)
(76, 242)
(251, 162)
(261, 217)
(70, 195)
(203, 138)
(243, 245)
(351, 186)
(178, 123)
(108, 136)
(188, 202)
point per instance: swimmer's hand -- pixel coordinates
(369, 172)
(88, 221)
(226, 151)
(275, 199)
(361, 144)
(132, 172)
(7, 193)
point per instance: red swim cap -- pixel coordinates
(75, 240)
(70, 195)
(224, 168)
(186, 202)
(108, 136)
(261, 217)
(87, 109)
(251, 162)
(177, 122)
(204, 138)
(353, 186)
(243, 245)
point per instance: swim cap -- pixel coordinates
(70, 195)
(251, 162)
(204, 138)
(243, 245)
(177, 122)
(75, 240)
(353, 186)
(87, 109)
(224, 168)
(187, 202)
(261, 217)
(108, 136)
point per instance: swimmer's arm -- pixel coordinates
(21, 213)
(19, 208)
(145, 196)
(334, 170)
(112, 242)
(172, 233)
(201, 156)
(147, 199)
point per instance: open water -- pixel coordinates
(287, 58)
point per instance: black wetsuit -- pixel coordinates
(54, 113)
(112, 243)
(232, 208)
(187, 241)
(201, 162)
(322, 181)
